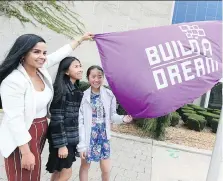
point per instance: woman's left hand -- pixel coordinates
(87, 36)
(127, 119)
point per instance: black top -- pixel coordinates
(63, 127)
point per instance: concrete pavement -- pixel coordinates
(137, 159)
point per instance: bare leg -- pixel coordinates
(54, 176)
(83, 173)
(105, 169)
(65, 174)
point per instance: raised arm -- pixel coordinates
(58, 55)
(65, 51)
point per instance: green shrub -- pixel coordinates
(214, 125)
(183, 111)
(84, 85)
(154, 127)
(187, 107)
(201, 113)
(196, 108)
(148, 125)
(200, 109)
(196, 122)
(186, 115)
(140, 122)
(214, 110)
(180, 110)
(120, 109)
(162, 123)
(209, 109)
(188, 111)
(218, 112)
(208, 116)
(174, 118)
(190, 105)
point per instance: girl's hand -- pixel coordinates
(83, 155)
(63, 152)
(127, 119)
(28, 161)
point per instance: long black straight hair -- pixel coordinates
(62, 77)
(22, 45)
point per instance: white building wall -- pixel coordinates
(98, 17)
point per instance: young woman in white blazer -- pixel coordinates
(26, 92)
(97, 112)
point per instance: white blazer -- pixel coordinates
(85, 116)
(19, 103)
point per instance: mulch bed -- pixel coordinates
(178, 135)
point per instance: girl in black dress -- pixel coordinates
(63, 133)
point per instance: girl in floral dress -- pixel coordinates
(97, 112)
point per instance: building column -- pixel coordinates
(215, 172)
(207, 98)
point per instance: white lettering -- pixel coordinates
(206, 46)
(175, 49)
(212, 64)
(183, 51)
(216, 63)
(162, 51)
(208, 65)
(159, 84)
(187, 70)
(199, 66)
(173, 72)
(167, 55)
(152, 55)
(194, 46)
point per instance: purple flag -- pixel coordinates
(154, 71)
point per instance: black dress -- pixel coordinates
(57, 164)
(63, 128)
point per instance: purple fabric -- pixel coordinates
(133, 60)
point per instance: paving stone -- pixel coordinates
(131, 160)
(123, 159)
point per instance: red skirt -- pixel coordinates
(38, 131)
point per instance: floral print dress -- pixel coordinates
(99, 144)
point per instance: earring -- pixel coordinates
(22, 60)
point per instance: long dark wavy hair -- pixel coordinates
(22, 45)
(62, 78)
